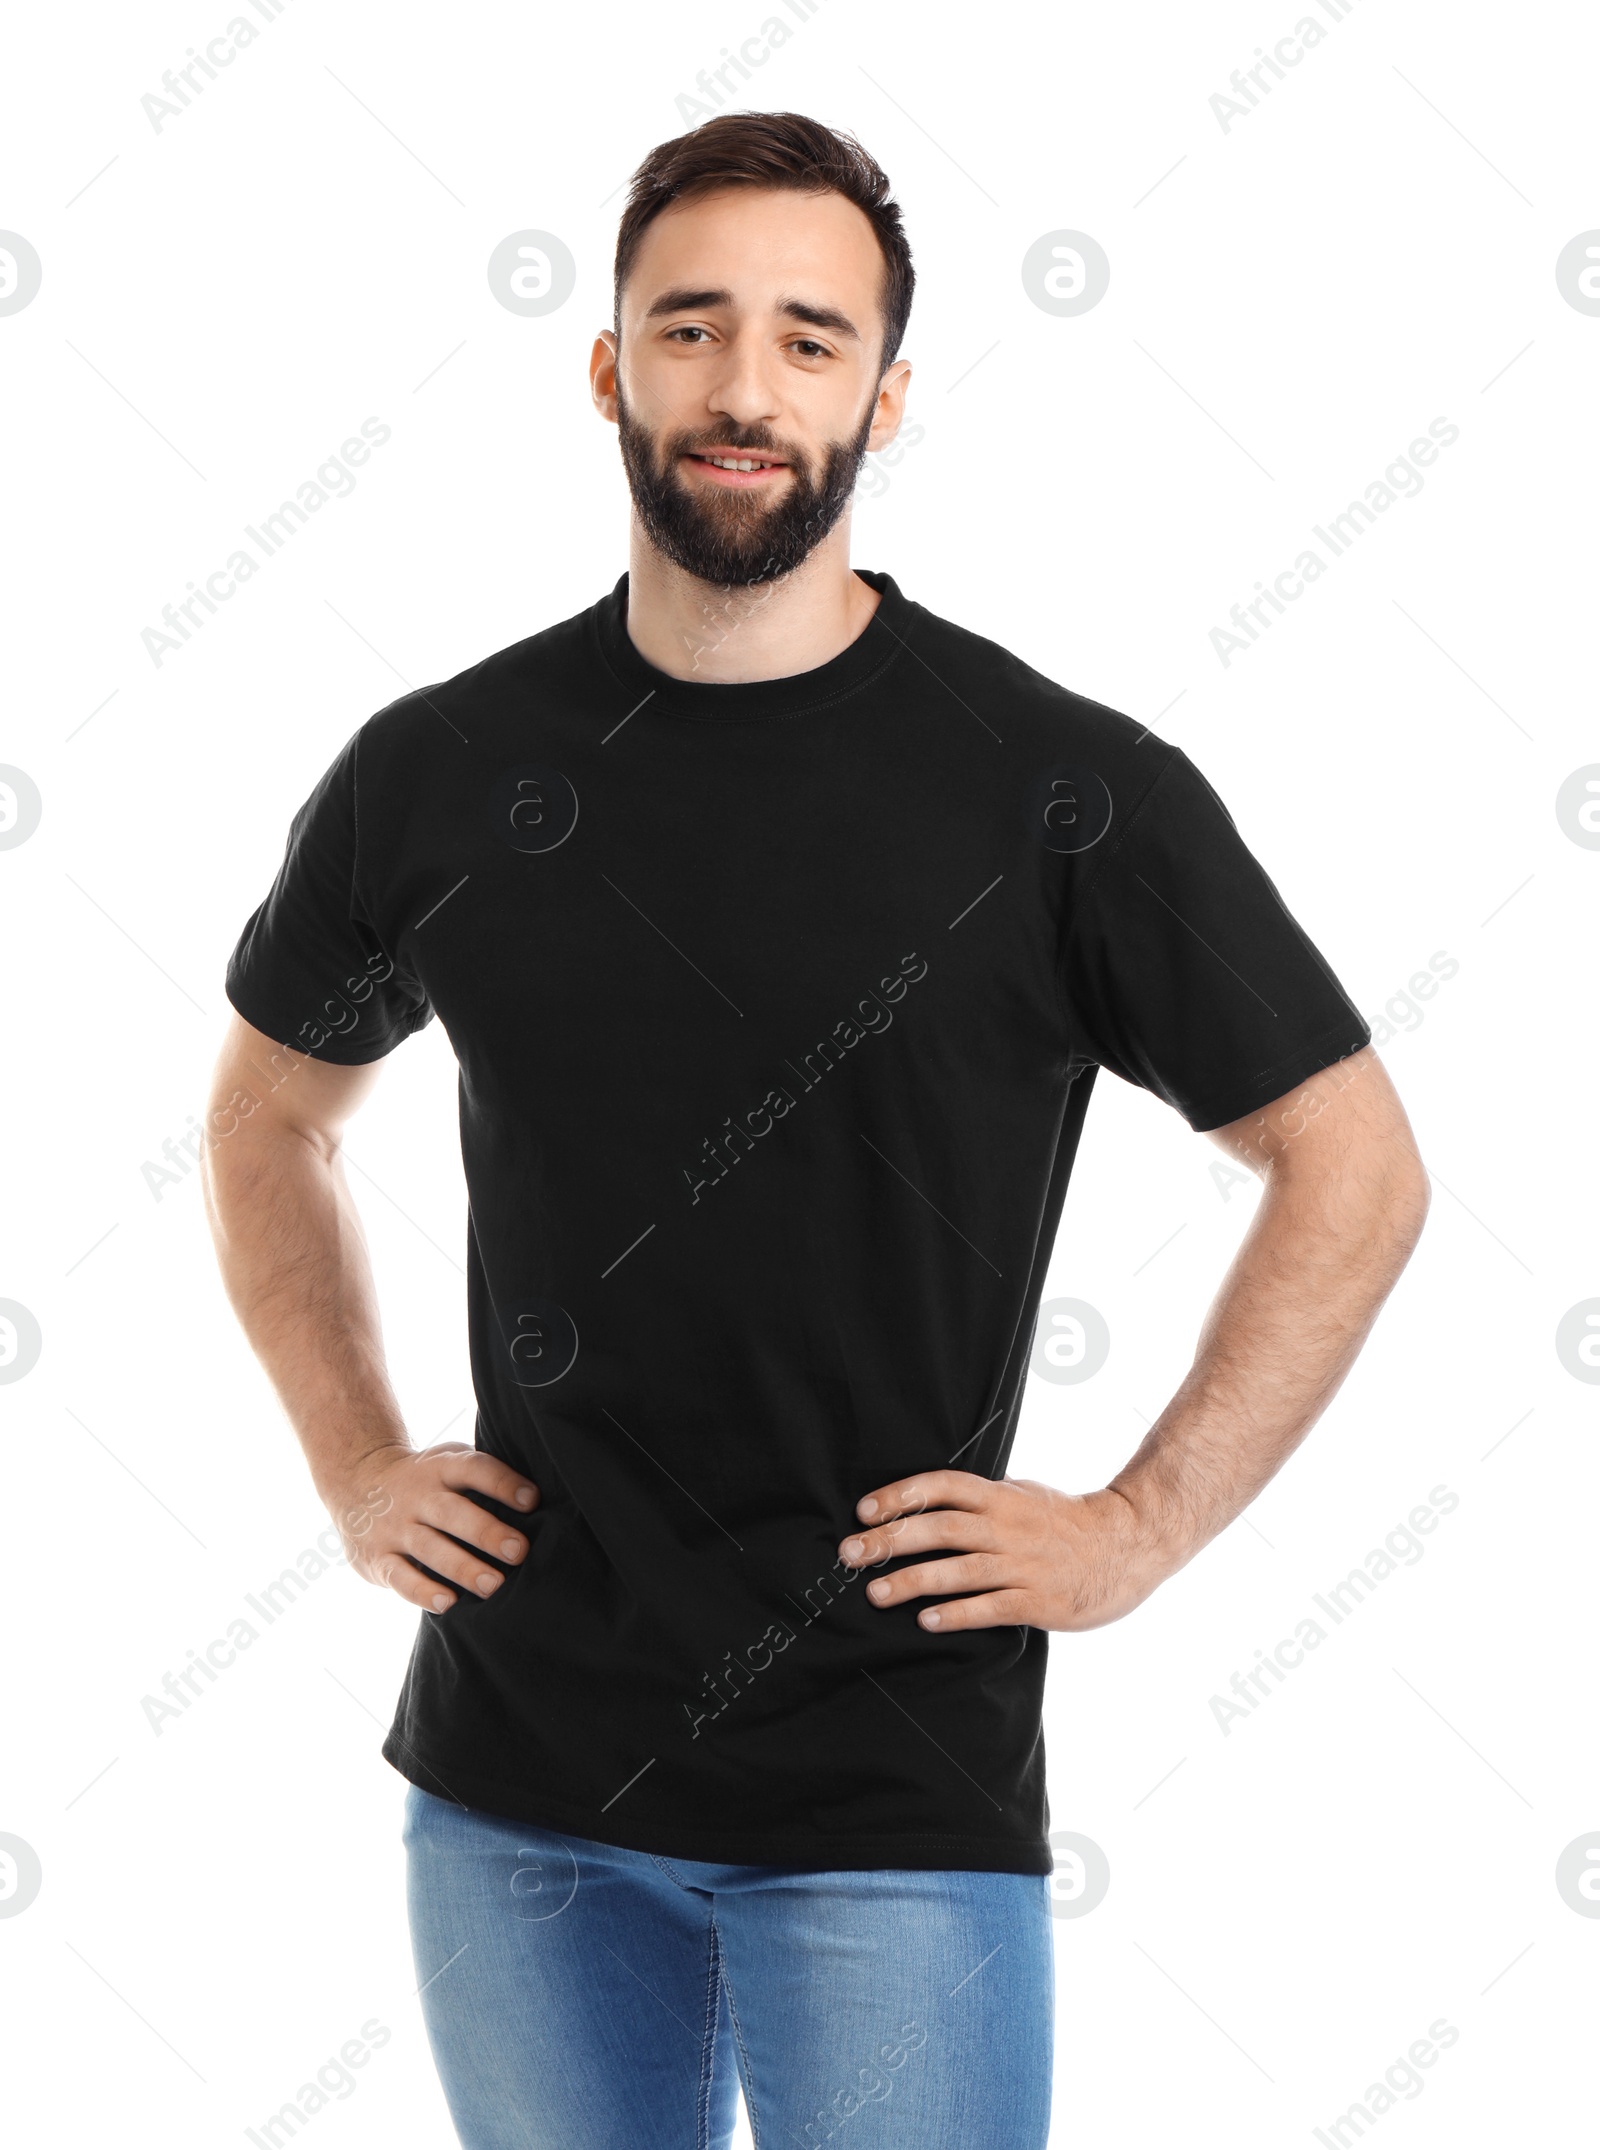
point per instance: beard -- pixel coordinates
(731, 536)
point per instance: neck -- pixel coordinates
(726, 634)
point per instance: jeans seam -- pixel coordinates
(676, 1879)
(708, 2046)
(744, 2051)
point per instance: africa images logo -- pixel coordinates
(541, 1342)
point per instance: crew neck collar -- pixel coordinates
(856, 665)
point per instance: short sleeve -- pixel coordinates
(1183, 971)
(309, 968)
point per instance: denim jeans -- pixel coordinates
(579, 1996)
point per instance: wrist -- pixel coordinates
(351, 1488)
(1159, 1541)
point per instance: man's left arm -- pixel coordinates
(1344, 1197)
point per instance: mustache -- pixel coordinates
(729, 444)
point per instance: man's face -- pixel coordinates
(750, 331)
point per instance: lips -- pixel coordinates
(763, 471)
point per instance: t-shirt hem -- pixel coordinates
(1275, 1081)
(810, 1850)
(339, 1051)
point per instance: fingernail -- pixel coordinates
(524, 1496)
(930, 1619)
(879, 1589)
(487, 1582)
(509, 1548)
(854, 1548)
(440, 1602)
(867, 1509)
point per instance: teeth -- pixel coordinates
(728, 462)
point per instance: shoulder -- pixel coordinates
(430, 720)
(1041, 718)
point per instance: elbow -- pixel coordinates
(1407, 1198)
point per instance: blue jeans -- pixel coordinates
(583, 1997)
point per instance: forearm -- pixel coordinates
(1320, 1257)
(294, 1262)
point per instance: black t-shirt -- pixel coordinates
(777, 1008)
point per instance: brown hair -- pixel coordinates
(771, 149)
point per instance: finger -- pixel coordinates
(928, 1489)
(999, 1608)
(917, 1533)
(487, 1474)
(964, 1571)
(452, 1562)
(398, 1574)
(464, 1519)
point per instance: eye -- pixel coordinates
(689, 328)
(810, 348)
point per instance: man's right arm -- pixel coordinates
(294, 1261)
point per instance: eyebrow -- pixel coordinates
(685, 300)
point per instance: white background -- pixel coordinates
(1291, 302)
